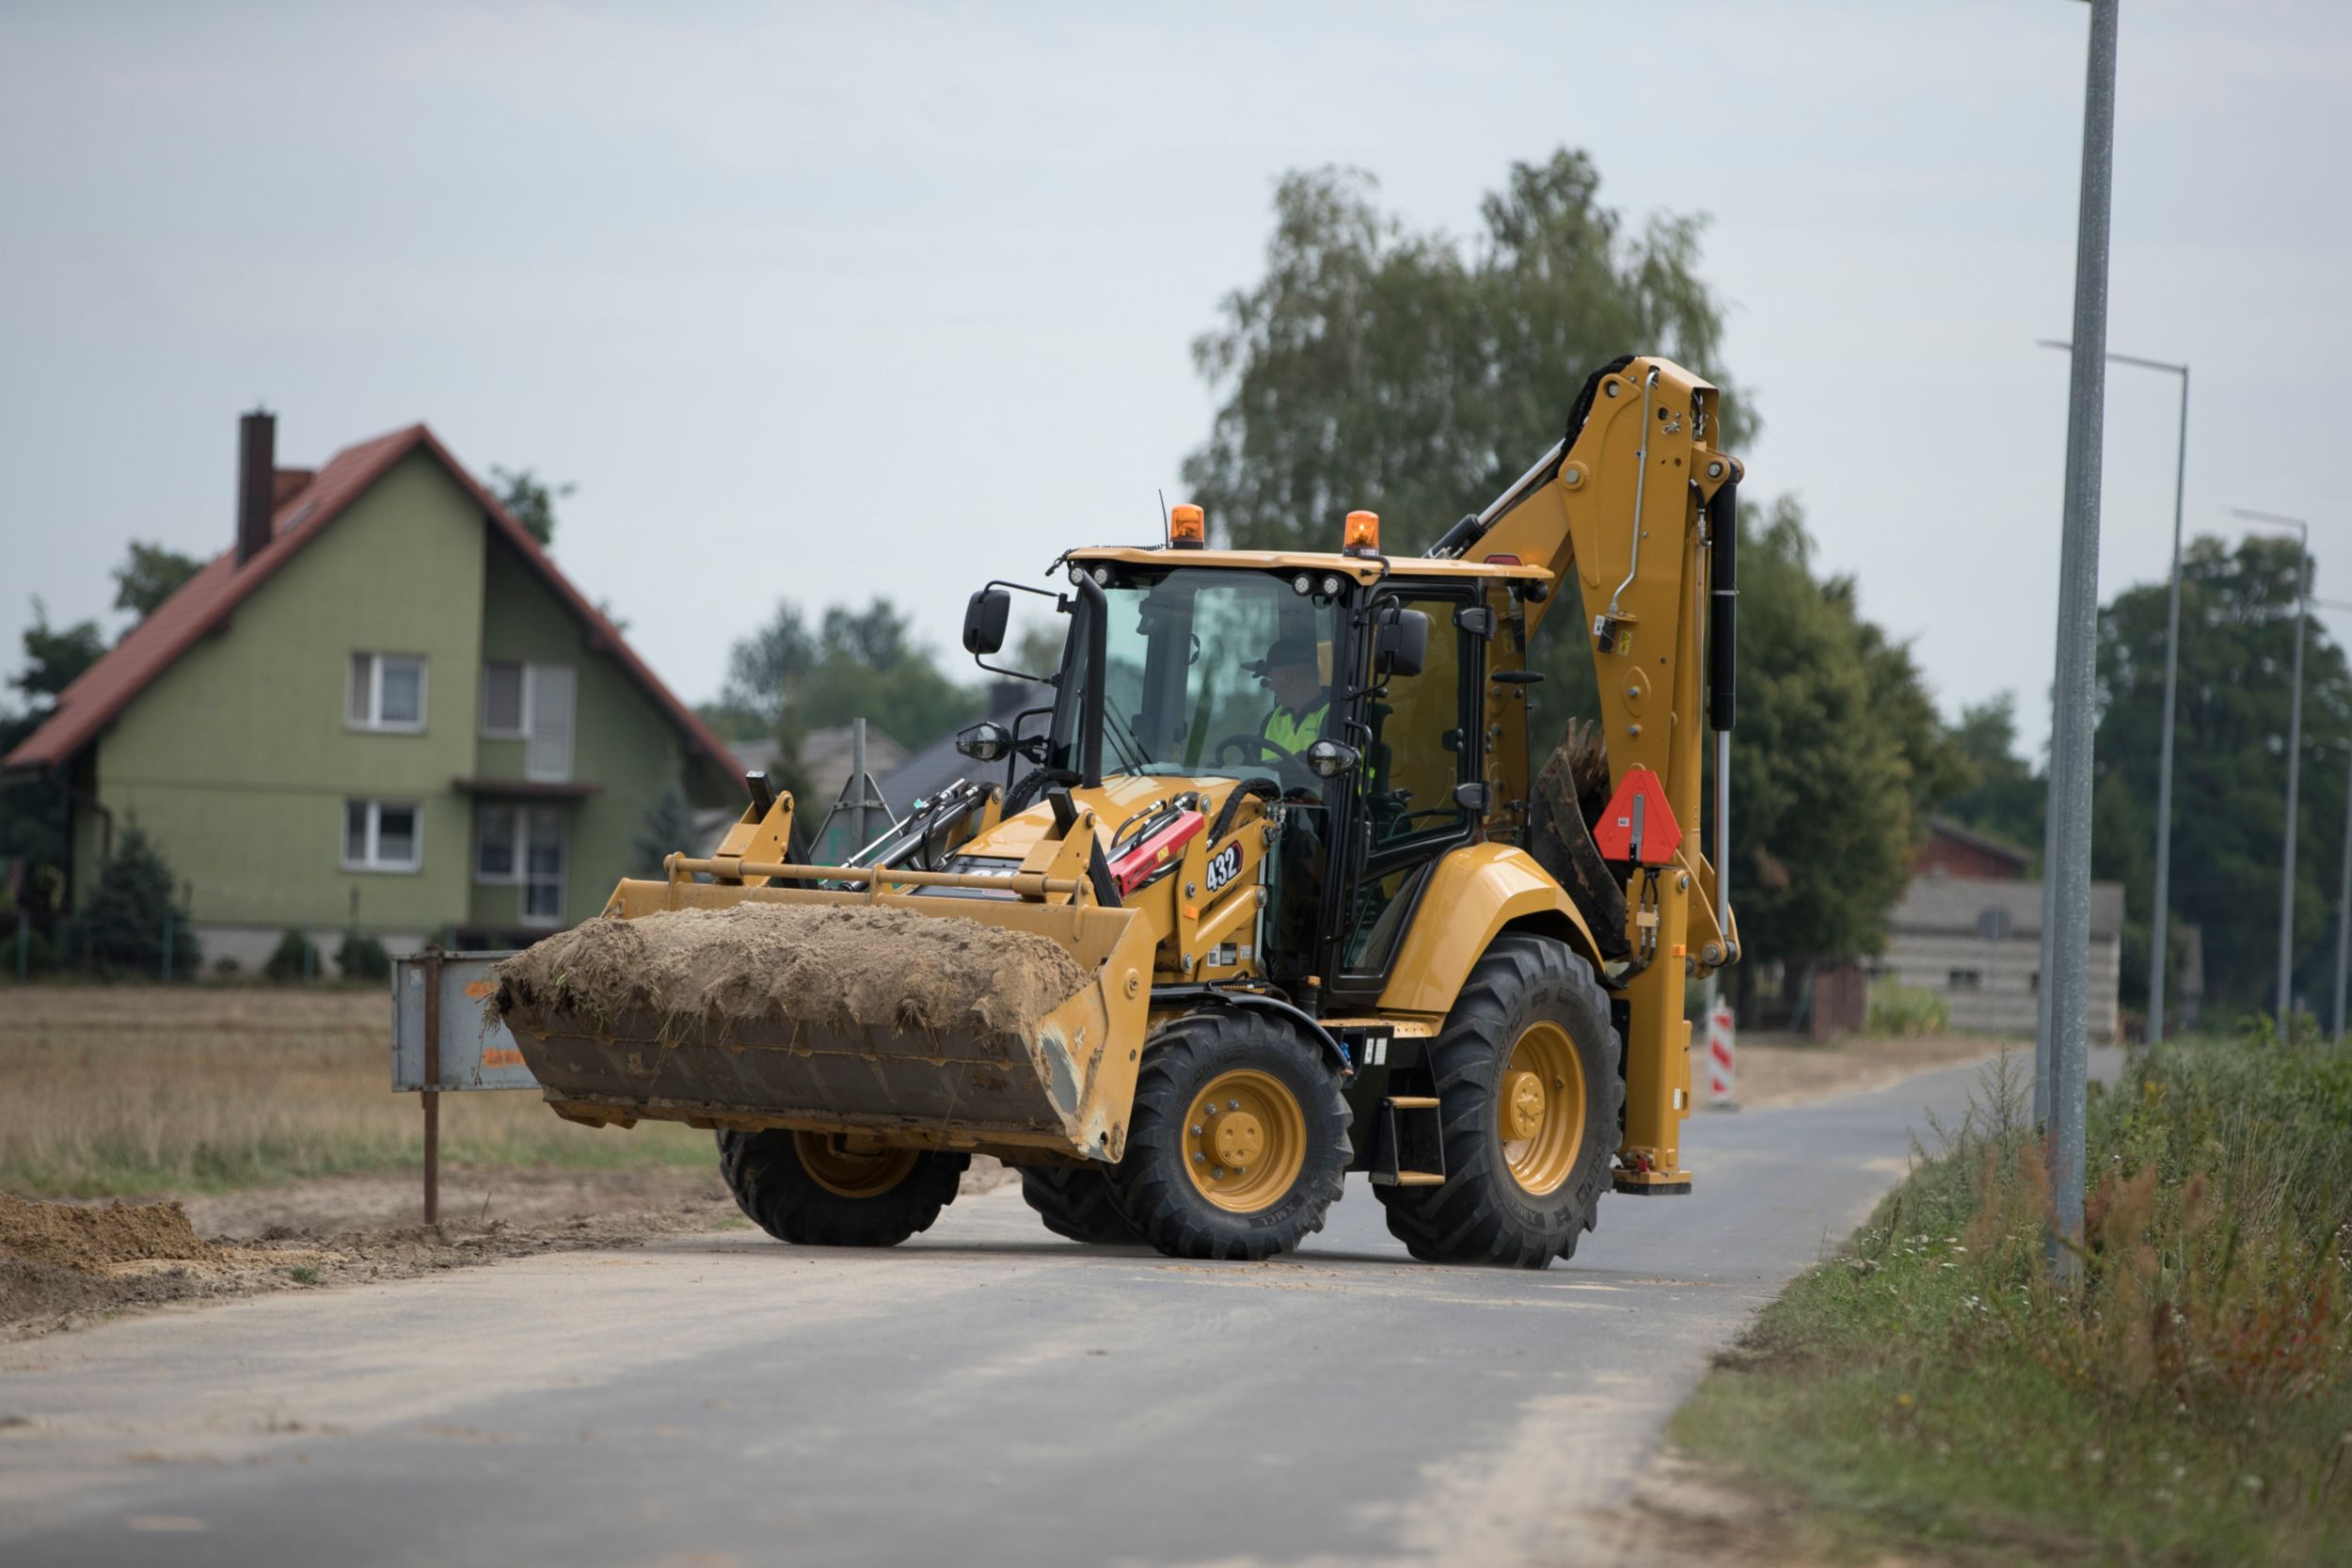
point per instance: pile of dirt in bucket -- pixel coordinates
(90, 1240)
(821, 969)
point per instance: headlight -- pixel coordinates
(1328, 759)
(1331, 586)
(1303, 584)
(985, 743)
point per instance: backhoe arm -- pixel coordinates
(1636, 512)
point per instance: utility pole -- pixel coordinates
(2343, 891)
(2159, 949)
(2066, 923)
(2294, 752)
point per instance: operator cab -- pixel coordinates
(1347, 694)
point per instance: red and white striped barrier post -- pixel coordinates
(1720, 1082)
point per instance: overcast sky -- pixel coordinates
(824, 302)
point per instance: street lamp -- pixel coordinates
(2344, 895)
(2295, 750)
(2157, 949)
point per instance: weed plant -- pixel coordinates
(2182, 1391)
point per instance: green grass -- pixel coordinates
(2186, 1399)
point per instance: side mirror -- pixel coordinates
(984, 617)
(1328, 759)
(1403, 644)
(986, 741)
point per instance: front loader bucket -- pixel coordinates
(870, 1055)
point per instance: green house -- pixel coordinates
(384, 709)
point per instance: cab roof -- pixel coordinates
(1361, 568)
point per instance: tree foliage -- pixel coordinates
(55, 656)
(1374, 366)
(135, 911)
(1379, 367)
(2229, 782)
(1826, 791)
(2000, 793)
(668, 828)
(529, 500)
(149, 573)
(786, 679)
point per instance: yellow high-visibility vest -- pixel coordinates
(1295, 733)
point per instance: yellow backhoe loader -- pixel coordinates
(1268, 891)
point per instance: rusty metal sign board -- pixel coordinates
(448, 990)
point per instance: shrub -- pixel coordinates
(1906, 1011)
(362, 957)
(294, 959)
(226, 967)
(133, 907)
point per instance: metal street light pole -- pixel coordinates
(2343, 892)
(2066, 922)
(2159, 950)
(2294, 752)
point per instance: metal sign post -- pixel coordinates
(444, 1040)
(431, 1096)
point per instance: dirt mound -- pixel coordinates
(67, 1236)
(822, 969)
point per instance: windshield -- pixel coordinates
(1211, 672)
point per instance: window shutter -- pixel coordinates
(502, 699)
(550, 722)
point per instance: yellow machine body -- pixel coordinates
(1616, 520)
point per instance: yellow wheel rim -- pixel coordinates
(1539, 1108)
(1244, 1140)
(851, 1165)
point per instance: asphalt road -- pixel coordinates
(985, 1394)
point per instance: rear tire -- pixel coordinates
(806, 1189)
(1268, 1158)
(1075, 1201)
(1527, 1050)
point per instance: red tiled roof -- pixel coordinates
(206, 599)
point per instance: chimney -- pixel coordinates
(256, 481)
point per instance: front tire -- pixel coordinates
(1526, 1077)
(1238, 1140)
(816, 1189)
(1075, 1201)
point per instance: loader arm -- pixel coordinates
(1635, 510)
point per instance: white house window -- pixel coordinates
(386, 692)
(523, 845)
(383, 836)
(531, 703)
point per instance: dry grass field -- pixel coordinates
(108, 1090)
(137, 1089)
